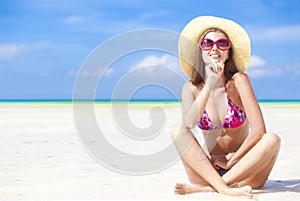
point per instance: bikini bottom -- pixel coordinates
(222, 171)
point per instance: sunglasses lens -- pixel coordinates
(223, 44)
(206, 44)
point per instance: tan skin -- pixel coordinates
(250, 154)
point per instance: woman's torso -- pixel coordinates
(228, 139)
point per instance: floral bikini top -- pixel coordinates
(234, 117)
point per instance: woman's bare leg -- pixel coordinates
(192, 153)
(198, 183)
(254, 168)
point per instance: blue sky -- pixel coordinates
(43, 44)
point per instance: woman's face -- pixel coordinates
(214, 54)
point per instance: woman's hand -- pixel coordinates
(221, 161)
(214, 71)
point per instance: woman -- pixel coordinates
(238, 154)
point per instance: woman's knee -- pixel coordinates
(175, 130)
(181, 134)
(272, 140)
(257, 184)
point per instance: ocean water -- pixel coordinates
(68, 101)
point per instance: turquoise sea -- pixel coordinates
(122, 101)
(137, 104)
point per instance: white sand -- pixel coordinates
(42, 158)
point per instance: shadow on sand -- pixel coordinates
(273, 186)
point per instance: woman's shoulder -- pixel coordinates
(237, 86)
(192, 88)
(242, 84)
(239, 76)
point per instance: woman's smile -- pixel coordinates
(215, 56)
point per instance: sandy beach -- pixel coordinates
(42, 156)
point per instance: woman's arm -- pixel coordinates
(254, 116)
(193, 106)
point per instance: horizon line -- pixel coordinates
(124, 100)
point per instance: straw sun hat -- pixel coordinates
(188, 47)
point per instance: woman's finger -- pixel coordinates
(211, 67)
(215, 65)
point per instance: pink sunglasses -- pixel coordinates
(208, 44)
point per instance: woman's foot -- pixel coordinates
(245, 191)
(183, 188)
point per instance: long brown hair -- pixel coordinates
(198, 74)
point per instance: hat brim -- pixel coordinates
(190, 36)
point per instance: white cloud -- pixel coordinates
(151, 15)
(11, 51)
(256, 72)
(164, 66)
(264, 72)
(256, 61)
(281, 33)
(71, 72)
(149, 63)
(294, 69)
(258, 68)
(95, 73)
(74, 20)
(109, 72)
(284, 33)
